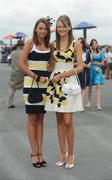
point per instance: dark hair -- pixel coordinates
(66, 22)
(83, 43)
(20, 43)
(35, 36)
(91, 43)
(107, 50)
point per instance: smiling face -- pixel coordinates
(94, 45)
(62, 29)
(41, 30)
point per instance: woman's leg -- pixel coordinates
(69, 129)
(89, 96)
(107, 72)
(98, 97)
(39, 139)
(61, 135)
(82, 94)
(39, 133)
(32, 128)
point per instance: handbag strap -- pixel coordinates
(77, 77)
(33, 82)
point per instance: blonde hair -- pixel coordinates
(66, 22)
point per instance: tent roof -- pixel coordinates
(84, 25)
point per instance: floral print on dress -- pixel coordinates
(54, 93)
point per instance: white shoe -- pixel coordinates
(82, 110)
(69, 166)
(61, 163)
(88, 104)
(99, 108)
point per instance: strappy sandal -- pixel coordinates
(43, 162)
(36, 164)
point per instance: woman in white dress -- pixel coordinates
(65, 51)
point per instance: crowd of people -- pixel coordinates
(49, 65)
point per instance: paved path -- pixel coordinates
(93, 134)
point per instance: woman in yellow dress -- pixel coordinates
(65, 51)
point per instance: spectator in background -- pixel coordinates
(105, 50)
(109, 66)
(84, 76)
(17, 76)
(96, 76)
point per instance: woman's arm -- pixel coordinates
(88, 65)
(51, 64)
(23, 58)
(77, 69)
(98, 63)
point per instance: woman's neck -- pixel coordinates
(41, 45)
(63, 43)
(64, 39)
(41, 41)
(94, 51)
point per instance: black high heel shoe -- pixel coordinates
(36, 164)
(43, 162)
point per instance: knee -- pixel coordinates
(68, 124)
(60, 122)
(40, 122)
(32, 121)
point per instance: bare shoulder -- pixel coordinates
(28, 45)
(29, 42)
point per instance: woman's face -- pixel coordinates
(94, 45)
(41, 30)
(62, 30)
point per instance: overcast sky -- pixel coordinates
(21, 15)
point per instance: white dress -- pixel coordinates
(55, 99)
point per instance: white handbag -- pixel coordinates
(72, 89)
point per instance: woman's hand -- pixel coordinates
(95, 62)
(88, 65)
(56, 78)
(98, 63)
(43, 79)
